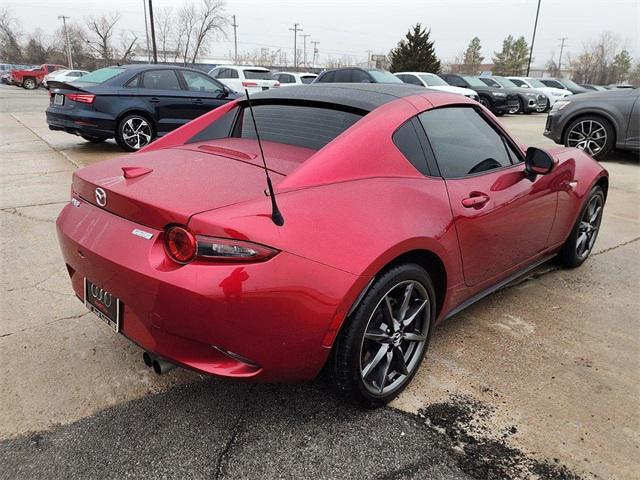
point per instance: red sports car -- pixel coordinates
(399, 207)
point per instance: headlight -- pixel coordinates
(531, 95)
(557, 94)
(559, 105)
(498, 94)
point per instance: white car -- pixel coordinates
(288, 79)
(239, 77)
(63, 76)
(433, 81)
(552, 94)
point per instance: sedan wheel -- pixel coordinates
(591, 134)
(383, 342)
(134, 132)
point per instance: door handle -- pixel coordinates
(154, 100)
(475, 200)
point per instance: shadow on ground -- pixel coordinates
(215, 429)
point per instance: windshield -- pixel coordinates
(535, 83)
(504, 82)
(382, 76)
(433, 80)
(474, 82)
(258, 75)
(571, 84)
(102, 75)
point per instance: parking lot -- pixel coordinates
(540, 379)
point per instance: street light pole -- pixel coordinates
(235, 41)
(295, 31)
(66, 34)
(533, 39)
(146, 30)
(153, 33)
(563, 40)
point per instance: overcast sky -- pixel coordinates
(351, 27)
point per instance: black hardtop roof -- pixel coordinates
(362, 96)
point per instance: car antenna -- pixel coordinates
(276, 216)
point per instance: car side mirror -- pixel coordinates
(537, 162)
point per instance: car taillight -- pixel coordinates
(81, 97)
(183, 247)
(249, 84)
(180, 244)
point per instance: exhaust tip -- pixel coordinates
(147, 359)
(162, 366)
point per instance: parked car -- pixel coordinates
(288, 79)
(32, 78)
(529, 100)
(552, 94)
(59, 77)
(237, 78)
(597, 122)
(565, 84)
(179, 249)
(133, 103)
(597, 88)
(356, 75)
(433, 81)
(496, 100)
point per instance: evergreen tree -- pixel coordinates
(513, 58)
(621, 66)
(415, 53)
(473, 57)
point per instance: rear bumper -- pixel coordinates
(80, 122)
(277, 314)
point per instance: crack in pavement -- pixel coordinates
(71, 317)
(606, 250)
(14, 211)
(4, 209)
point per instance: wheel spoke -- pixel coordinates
(382, 351)
(399, 362)
(415, 337)
(384, 371)
(581, 239)
(594, 216)
(407, 321)
(405, 302)
(380, 337)
(387, 312)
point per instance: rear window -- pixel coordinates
(308, 79)
(297, 125)
(102, 75)
(258, 75)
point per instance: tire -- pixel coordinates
(485, 102)
(91, 139)
(520, 108)
(392, 351)
(29, 83)
(127, 134)
(586, 133)
(583, 236)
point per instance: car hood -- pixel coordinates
(167, 186)
(452, 89)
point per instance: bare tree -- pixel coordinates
(164, 31)
(210, 20)
(10, 50)
(101, 31)
(127, 44)
(187, 24)
(595, 64)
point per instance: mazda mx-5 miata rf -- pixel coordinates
(394, 208)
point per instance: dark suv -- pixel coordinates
(495, 99)
(356, 75)
(529, 100)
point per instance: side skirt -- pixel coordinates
(497, 286)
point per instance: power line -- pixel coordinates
(295, 31)
(304, 39)
(66, 34)
(315, 53)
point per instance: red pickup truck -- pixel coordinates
(32, 78)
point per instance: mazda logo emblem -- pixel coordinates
(101, 197)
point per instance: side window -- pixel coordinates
(232, 73)
(216, 72)
(456, 82)
(134, 82)
(197, 82)
(342, 76)
(407, 141)
(327, 77)
(286, 78)
(464, 143)
(160, 80)
(358, 76)
(412, 79)
(519, 83)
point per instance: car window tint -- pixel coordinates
(327, 77)
(490, 82)
(406, 139)
(232, 73)
(216, 72)
(160, 80)
(309, 127)
(519, 83)
(463, 142)
(134, 82)
(358, 76)
(343, 76)
(258, 74)
(307, 79)
(102, 75)
(198, 82)
(456, 82)
(412, 79)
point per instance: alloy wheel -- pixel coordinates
(589, 226)
(136, 132)
(588, 135)
(395, 337)
(484, 102)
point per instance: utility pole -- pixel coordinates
(315, 53)
(235, 41)
(153, 33)
(146, 30)
(304, 39)
(562, 45)
(66, 34)
(533, 39)
(295, 31)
